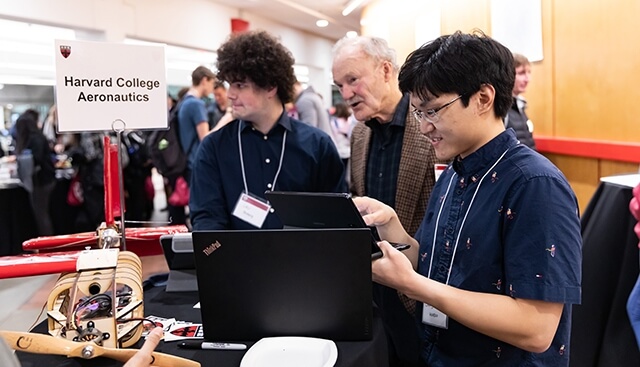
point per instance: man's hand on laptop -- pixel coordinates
(383, 217)
(374, 212)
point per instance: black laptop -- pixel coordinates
(322, 210)
(264, 283)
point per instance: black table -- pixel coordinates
(601, 332)
(17, 222)
(180, 305)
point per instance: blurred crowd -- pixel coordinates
(63, 172)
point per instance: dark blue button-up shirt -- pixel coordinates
(385, 151)
(506, 222)
(310, 163)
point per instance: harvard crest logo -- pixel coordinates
(65, 51)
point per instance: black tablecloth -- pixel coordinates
(601, 331)
(17, 223)
(180, 305)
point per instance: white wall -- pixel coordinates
(197, 24)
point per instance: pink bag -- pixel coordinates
(180, 194)
(75, 195)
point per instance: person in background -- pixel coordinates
(88, 158)
(341, 126)
(221, 106)
(171, 103)
(49, 127)
(193, 124)
(181, 93)
(383, 147)
(517, 117)
(496, 263)
(263, 148)
(30, 138)
(192, 115)
(310, 108)
(633, 303)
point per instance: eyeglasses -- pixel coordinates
(432, 114)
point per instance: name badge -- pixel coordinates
(434, 317)
(251, 210)
(438, 168)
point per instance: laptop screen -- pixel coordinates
(318, 210)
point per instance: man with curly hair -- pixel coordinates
(262, 149)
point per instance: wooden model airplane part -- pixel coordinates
(101, 302)
(45, 344)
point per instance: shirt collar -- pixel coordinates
(399, 116)
(284, 120)
(486, 155)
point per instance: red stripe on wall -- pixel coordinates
(610, 150)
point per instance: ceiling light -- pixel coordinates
(322, 23)
(352, 34)
(351, 6)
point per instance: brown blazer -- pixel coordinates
(416, 175)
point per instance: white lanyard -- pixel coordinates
(244, 177)
(464, 219)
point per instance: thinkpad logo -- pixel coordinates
(211, 248)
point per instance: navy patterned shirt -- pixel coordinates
(507, 221)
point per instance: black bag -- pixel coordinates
(167, 154)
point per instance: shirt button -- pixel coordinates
(265, 137)
(267, 160)
(459, 192)
(380, 174)
(268, 186)
(271, 210)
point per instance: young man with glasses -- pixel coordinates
(383, 144)
(496, 263)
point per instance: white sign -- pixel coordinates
(518, 26)
(105, 86)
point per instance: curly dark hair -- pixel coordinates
(259, 57)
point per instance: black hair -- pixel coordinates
(460, 63)
(26, 125)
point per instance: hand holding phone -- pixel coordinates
(397, 246)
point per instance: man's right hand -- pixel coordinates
(374, 212)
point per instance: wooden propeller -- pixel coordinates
(46, 344)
